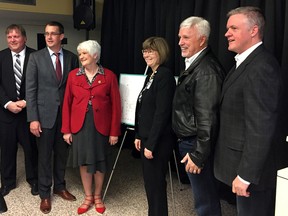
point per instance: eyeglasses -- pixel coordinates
(148, 51)
(51, 34)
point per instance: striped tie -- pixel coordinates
(18, 74)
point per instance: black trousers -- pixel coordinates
(52, 150)
(154, 174)
(11, 134)
(259, 203)
(3, 206)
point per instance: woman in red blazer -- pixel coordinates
(91, 119)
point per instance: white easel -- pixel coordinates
(116, 160)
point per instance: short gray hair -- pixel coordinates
(92, 47)
(254, 16)
(202, 25)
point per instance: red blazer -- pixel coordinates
(105, 97)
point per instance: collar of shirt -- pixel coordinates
(21, 54)
(239, 58)
(81, 70)
(51, 52)
(21, 57)
(53, 57)
(188, 61)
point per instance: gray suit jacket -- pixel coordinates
(248, 115)
(44, 94)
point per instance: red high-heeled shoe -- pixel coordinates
(88, 201)
(98, 202)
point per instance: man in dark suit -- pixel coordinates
(47, 73)
(14, 128)
(245, 158)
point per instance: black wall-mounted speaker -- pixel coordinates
(84, 14)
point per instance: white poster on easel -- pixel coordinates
(130, 86)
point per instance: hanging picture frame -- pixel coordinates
(26, 2)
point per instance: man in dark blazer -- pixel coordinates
(14, 128)
(245, 158)
(44, 92)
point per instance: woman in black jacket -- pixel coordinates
(154, 136)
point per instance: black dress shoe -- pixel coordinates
(3, 206)
(4, 190)
(34, 189)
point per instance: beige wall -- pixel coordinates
(63, 7)
(33, 19)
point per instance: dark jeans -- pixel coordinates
(204, 185)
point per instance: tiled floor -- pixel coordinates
(125, 197)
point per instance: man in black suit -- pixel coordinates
(245, 158)
(47, 73)
(14, 128)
